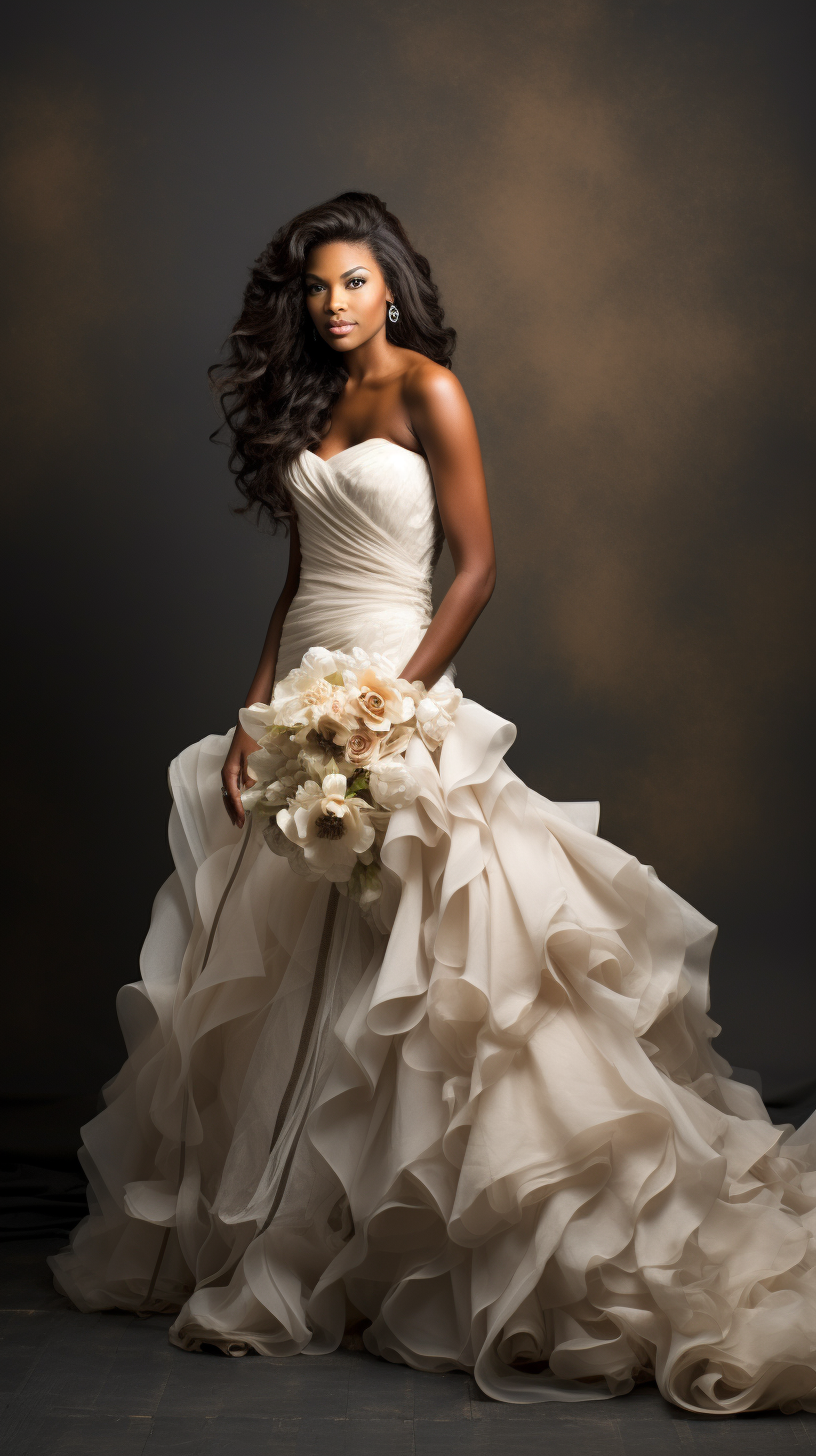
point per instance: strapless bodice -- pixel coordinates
(369, 534)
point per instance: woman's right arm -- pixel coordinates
(233, 775)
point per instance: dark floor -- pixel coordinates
(101, 1385)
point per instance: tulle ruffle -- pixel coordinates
(489, 1121)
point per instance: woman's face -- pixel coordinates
(346, 294)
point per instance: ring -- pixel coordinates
(225, 793)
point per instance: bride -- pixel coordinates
(480, 1122)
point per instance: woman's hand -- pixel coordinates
(235, 775)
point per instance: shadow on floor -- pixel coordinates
(111, 1385)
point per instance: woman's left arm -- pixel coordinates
(443, 423)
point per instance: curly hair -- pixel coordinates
(278, 384)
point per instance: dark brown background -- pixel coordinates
(617, 200)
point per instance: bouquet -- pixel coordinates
(330, 769)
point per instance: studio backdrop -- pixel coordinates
(617, 203)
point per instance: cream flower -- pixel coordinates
(283, 743)
(414, 690)
(435, 712)
(361, 745)
(392, 785)
(377, 696)
(318, 757)
(269, 795)
(279, 844)
(330, 829)
(265, 764)
(252, 798)
(276, 746)
(333, 739)
(325, 708)
(267, 799)
(396, 741)
(339, 718)
(257, 720)
(306, 694)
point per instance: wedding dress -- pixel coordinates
(486, 1118)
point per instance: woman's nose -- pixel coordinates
(335, 301)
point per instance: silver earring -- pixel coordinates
(393, 314)
(314, 333)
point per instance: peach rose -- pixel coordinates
(361, 747)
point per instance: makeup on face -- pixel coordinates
(346, 294)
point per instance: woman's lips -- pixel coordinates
(341, 328)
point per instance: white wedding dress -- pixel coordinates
(488, 1121)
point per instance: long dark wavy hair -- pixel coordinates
(278, 384)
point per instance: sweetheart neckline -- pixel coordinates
(372, 440)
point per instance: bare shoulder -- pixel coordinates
(439, 413)
(427, 386)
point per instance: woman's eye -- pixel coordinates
(356, 282)
(312, 288)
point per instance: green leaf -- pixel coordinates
(357, 784)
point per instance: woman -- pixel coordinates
(484, 1125)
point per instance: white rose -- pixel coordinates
(392, 785)
(435, 712)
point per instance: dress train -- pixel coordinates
(487, 1117)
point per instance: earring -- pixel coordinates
(314, 333)
(393, 314)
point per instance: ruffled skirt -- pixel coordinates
(488, 1123)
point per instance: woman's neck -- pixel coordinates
(375, 359)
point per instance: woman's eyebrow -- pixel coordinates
(361, 268)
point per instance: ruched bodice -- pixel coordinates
(369, 531)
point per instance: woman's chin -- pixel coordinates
(343, 342)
